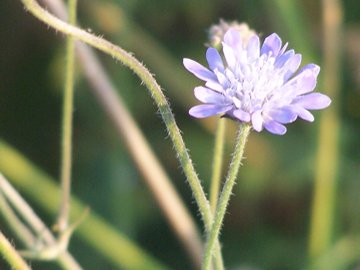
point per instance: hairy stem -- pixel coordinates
(153, 172)
(238, 153)
(217, 163)
(67, 124)
(155, 90)
(11, 255)
(27, 214)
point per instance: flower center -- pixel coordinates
(252, 84)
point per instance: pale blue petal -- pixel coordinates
(275, 127)
(272, 45)
(242, 115)
(283, 48)
(232, 38)
(292, 65)
(257, 120)
(229, 56)
(304, 114)
(283, 115)
(313, 101)
(304, 82)
(253, 47)
(208, 96)
(199, 70)
(315, 69)
(214, 86)
(214, 59)
(281, 60)
(206, 110)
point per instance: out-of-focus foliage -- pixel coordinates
(268, 221)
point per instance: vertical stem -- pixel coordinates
(66, 153)
(217, 163)
(11, 256)
(322, 219)
(241, 139)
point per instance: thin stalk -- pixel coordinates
(65, 259)
(25, 175)
(154, 174)
(156, 93)
(217, 163)
(155, 90)
(327, 159)
(238, 153)
(15, 224)
(11, 255)
(67, 124)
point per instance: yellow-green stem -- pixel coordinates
(156, 93)
(238, 153)
(322, 219)
(11, 256)
(67, 124)
(217, 164)
(26, 176)
(155, 90)
(28, 215)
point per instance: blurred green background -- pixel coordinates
(268, 219)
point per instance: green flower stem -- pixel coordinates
(21, 231)
(217, 163)
(128, 60)
(153, 172)
(67, 124)
(11, 255)
(213, 236)
(20, 205)
(26, 176)
(155, 90)
(327, 160)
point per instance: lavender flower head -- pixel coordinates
(256, 85)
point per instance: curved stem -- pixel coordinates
(243, 133)
(155, 90)
(217, 163)
(11, 255)
(154, 174)
(67, 124)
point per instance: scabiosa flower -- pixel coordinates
(256, 85)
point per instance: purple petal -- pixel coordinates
(207, 95)
(283, 115)
(304, 82)
(206, 110)
(257, 121)
(199, 70)
(315, 69)
(241, 115)
(275, 127)
(292, 65)
(272, 44)
(253, 47)
(313, 101)
(232, 38)
(283, 48)
(304, 114)
(281, 60)
(214, 86)
(229, 55)
(214, 59)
